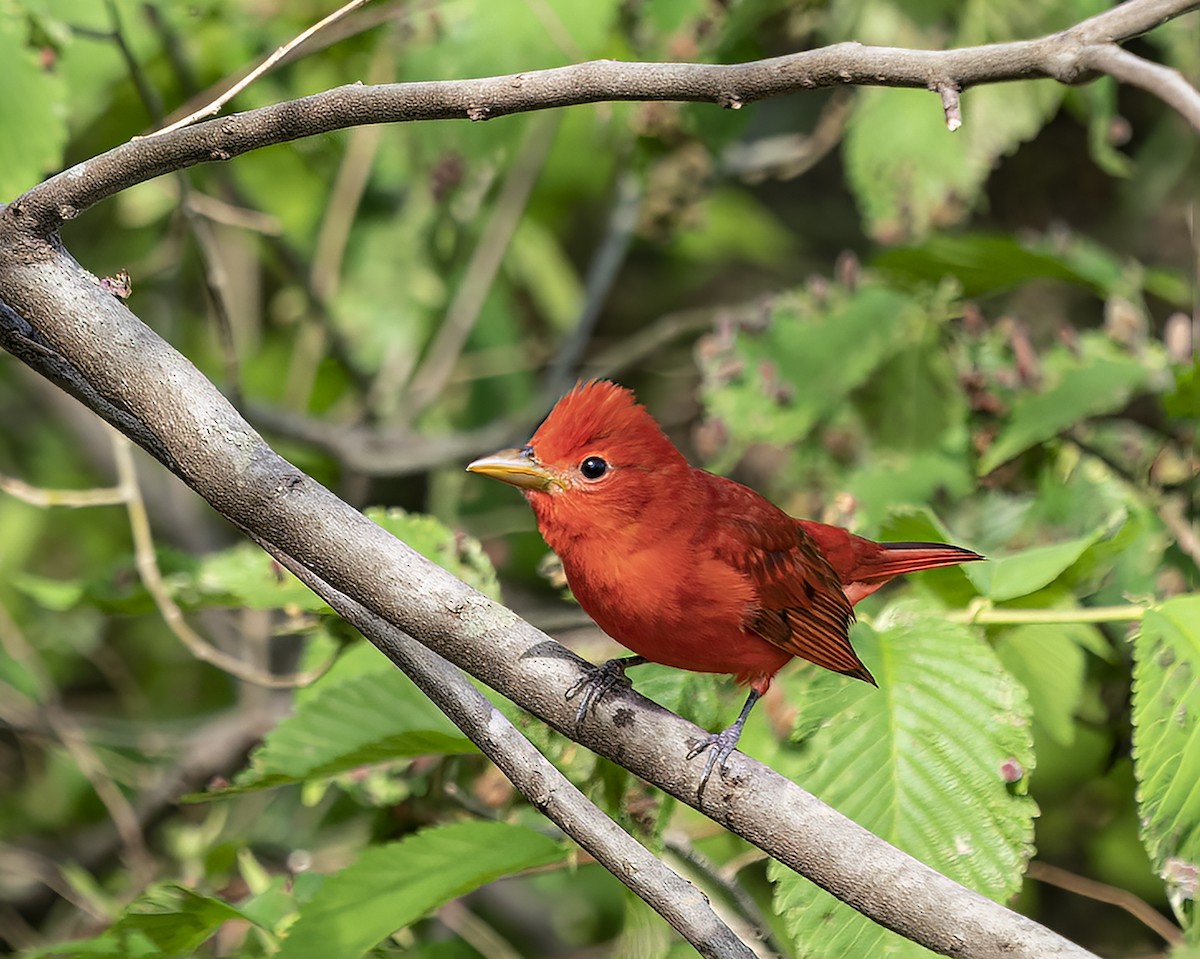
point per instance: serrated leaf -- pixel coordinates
(909, 173)
(815, 350)
(461, 555)
(1166, 748)
(924, 762)
(370, 718)
(243, 575)
(394, 885)
(1100, 381)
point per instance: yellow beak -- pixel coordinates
(516, 467)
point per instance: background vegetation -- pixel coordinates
(985, 336)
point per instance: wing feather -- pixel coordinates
(802, 607)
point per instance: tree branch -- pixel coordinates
(1071, 56)
(548, 790)
(56, 318)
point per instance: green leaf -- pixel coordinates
(54, 594)
(982, 263)
(910, 173)
(370, 718)
(167, 920)
(1166, 747)
(1006, 577)
(243, 575)
(394, 885)
(461, 555)
(33, 113)
(1100, 381)
(735, 227)
(915, 524)
(927, 762)
(1049, 661)
(775, 386)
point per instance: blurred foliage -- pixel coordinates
(985, 337)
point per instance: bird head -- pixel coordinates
(597, 460)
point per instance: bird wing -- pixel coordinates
(801, 607)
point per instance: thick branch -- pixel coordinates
(548, 790)
(58, 319)
(1069, 57)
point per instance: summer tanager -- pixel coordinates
(687, 568)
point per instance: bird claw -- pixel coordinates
(598, 681)
(721, 746)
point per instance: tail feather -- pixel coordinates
(896, 559)
(864, 565)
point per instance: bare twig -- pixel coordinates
(433, 374)
(65, 728)
(983, 613)
(38, 496)
(1103, 892)
(711, 875)
(214, 747)
(392, 451)
(354, 173)
(1168, 85)
(215, 282)
(151, 577)
(1187, 536)
(220, 101)
(948, 90)
(788, 155)
(602, 274)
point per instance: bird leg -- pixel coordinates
(599, 680)
(723, 743)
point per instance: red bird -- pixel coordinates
(687, 568)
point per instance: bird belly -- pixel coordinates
(695, 621)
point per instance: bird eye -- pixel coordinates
(593, 468)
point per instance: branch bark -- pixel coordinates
(56, 317)
(684, 906)
(1072, 56)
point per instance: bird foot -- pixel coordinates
(598, 681)
(720, 746)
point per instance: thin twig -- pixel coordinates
(984, 614)
(433, 374)
(475, 932)
(68, 732)
(601, 275)
(215, 105)
(729, 887)
(1167, 84)
(75, 498)
(214, 277)
(1103, 892)
(353, 176)
(789, 155)
(147, 566)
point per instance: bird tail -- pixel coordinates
(896, 559)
